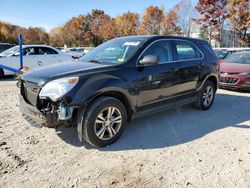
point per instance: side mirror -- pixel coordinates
(149, 59)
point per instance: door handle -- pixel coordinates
(40, 63)
(156, 82)
(201, 65)
(173, 69)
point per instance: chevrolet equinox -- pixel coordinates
(122, 79)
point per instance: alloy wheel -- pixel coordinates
(208, 96)
(108, 123)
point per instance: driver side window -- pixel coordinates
(29, 51)
(161, 49)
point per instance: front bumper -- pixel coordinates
(234, 82)
(35, 117)
(232, 87)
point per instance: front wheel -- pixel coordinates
(206, 96)
(103, 122)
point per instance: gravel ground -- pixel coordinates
(182, 147)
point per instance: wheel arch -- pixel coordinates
(211, 77)
(214, 80)
(118, 95)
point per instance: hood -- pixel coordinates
(234, 67)
(69, 68)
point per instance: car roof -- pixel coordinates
(157, 37)
(36, 45)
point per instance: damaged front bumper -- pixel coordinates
(34, 116)
(49, 118)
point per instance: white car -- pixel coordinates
(76, 52)
(33, 56)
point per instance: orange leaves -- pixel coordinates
(239, 17)
(169, 24)
(32, 35)
(127, 24)
(213, 14)
(151, 21)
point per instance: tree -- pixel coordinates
(101, 27)
(7, 31)
(56, 36)
(213, 14)
(151, 21)
(127, 24)
(239, 19)
(204, 34)
(74, 31)
(186, 15)
(35, 35)
(169, 26)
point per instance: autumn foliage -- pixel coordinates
(95, 27)
(216, 14)
(239, 17)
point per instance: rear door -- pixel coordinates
(47, 56)
(29, 57)
(157, 82)
(189, 62)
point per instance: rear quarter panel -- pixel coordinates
(210, 61)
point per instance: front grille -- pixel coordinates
(29, 91)
(228, 80)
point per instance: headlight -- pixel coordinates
(244, 74)
(57, 88)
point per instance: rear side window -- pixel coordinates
(29, 51)
(186, 50)
(209, 51)
(46, 51)
(161, 49)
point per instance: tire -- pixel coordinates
(1, 73)
(98, 127)
(205, 97)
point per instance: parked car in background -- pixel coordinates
(235, 71)
(121, 79)
(5, 46)
(223, 53)
(33, 56)
(76, 53)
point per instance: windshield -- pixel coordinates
(9, 51)
(221, 53)
(115, 51)
(241, 58)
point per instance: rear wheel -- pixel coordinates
(206, 96)
(103, 122)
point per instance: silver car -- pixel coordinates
(33, 56)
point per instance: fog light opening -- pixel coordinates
(64, 112)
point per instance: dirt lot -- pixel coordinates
(182, 147)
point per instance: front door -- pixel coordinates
(157, 82)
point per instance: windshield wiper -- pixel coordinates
(95, 61)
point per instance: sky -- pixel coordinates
(52, 13)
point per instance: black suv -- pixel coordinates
(119, 80)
